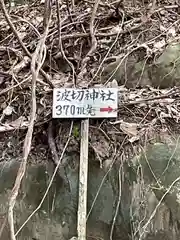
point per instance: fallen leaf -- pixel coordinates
(116, 29)
(8, 110)
(129, 128)
(107, 163)
(101, 148)
(133, 139)
(59, 80)
(159, 45)
(172, 32)
(18, 123)
(113, 84)
(162, 28)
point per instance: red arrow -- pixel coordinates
(106, 109)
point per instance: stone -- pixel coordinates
(163, 72)
(57, 217)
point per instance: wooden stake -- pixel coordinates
(83, 177)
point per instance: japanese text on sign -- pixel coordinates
(85, 103)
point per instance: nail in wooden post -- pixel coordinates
(83, 177)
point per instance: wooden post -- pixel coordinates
(83, 177)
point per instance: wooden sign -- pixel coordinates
(85, 103)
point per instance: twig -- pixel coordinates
(32, 26)
(50, 183)
(109, 50)
(3, 226)
(101, 35)
(19, 84)
(54, 153)
(171, 157)
(156, 208)
(93, 40)
(68, 9)
(20, 41)
(60, 42)
(150, 168)
(38, 58)
(119, 199)
(16, 52)
(101, 184)
(92, 32)
(52, 144)
(146, 100)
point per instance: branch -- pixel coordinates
(60, 42)
(51, 180)
(102, 35)
(38, 59)
(93, 40)
(156, 208)
(20, 41)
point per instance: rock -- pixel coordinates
(133, 72)
(128, 72)
(43, 224)
(57, 217)
(165, 71)
(161, 164)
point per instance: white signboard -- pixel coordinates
(85, 103)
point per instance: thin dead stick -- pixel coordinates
(20, 19)
(38, 57)
(19, 84)
(51, 181)
(20, 41)
(52, 145)
(102, 35)
(101, 184)
(92, 34)
(109, 50)
(156, 208)
(60, 42)
(120, 172)
(3, 226)
(147, 99)
(54, 153)
(171, 157)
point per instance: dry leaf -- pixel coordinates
(2, 78)
(8, 110)
(162, 28)
(132, 96)
(129, 128)
(107, 163)
(59, 80)
(116, 29)
(113, 84)
(133, 139)
(172, 32)
(159, 45)
(16, 69)
(18, 123)
(101, 148)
